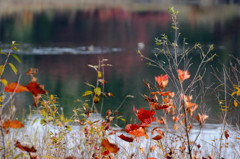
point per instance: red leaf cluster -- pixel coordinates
(136, 130)
(146, 117)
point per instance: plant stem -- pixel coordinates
(3, 142)
(187, 134)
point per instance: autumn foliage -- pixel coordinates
(33, 87)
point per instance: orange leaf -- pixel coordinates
(12, 124)
(201, 118)
(183, 75)
(162, 121)
(136, 130)
(15, 87)
(192, 109)
(162, 81)
(152, 148)
(25, 148)
(226, 134)
(125, 138)
(170, 94)
(141, 149)
(109, 146)
(175, 118)
(139, 132)
(148, 85)
(162, 106)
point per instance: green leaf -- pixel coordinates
(19, 155)
(95, 67)
(49, 118)
(43, 122)
(87, 93)
(90, 85)
(14, 48)
(13, 68)
(97, 91)
(16, 57)
(3, 53)
(34, 121)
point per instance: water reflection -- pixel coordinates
(61, 39)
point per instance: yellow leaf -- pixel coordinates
(225, 106)
(5, 82)
(13, 68)
(60, 124)
(52, 96)
(235, 103)
(97, 91)
(233, 93)
(1, 70)
(99, 74)
(87, 93)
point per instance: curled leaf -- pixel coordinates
(25, 148)
(158, 137)
(226, 134)
(125, 138)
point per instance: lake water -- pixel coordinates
(61, 39)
